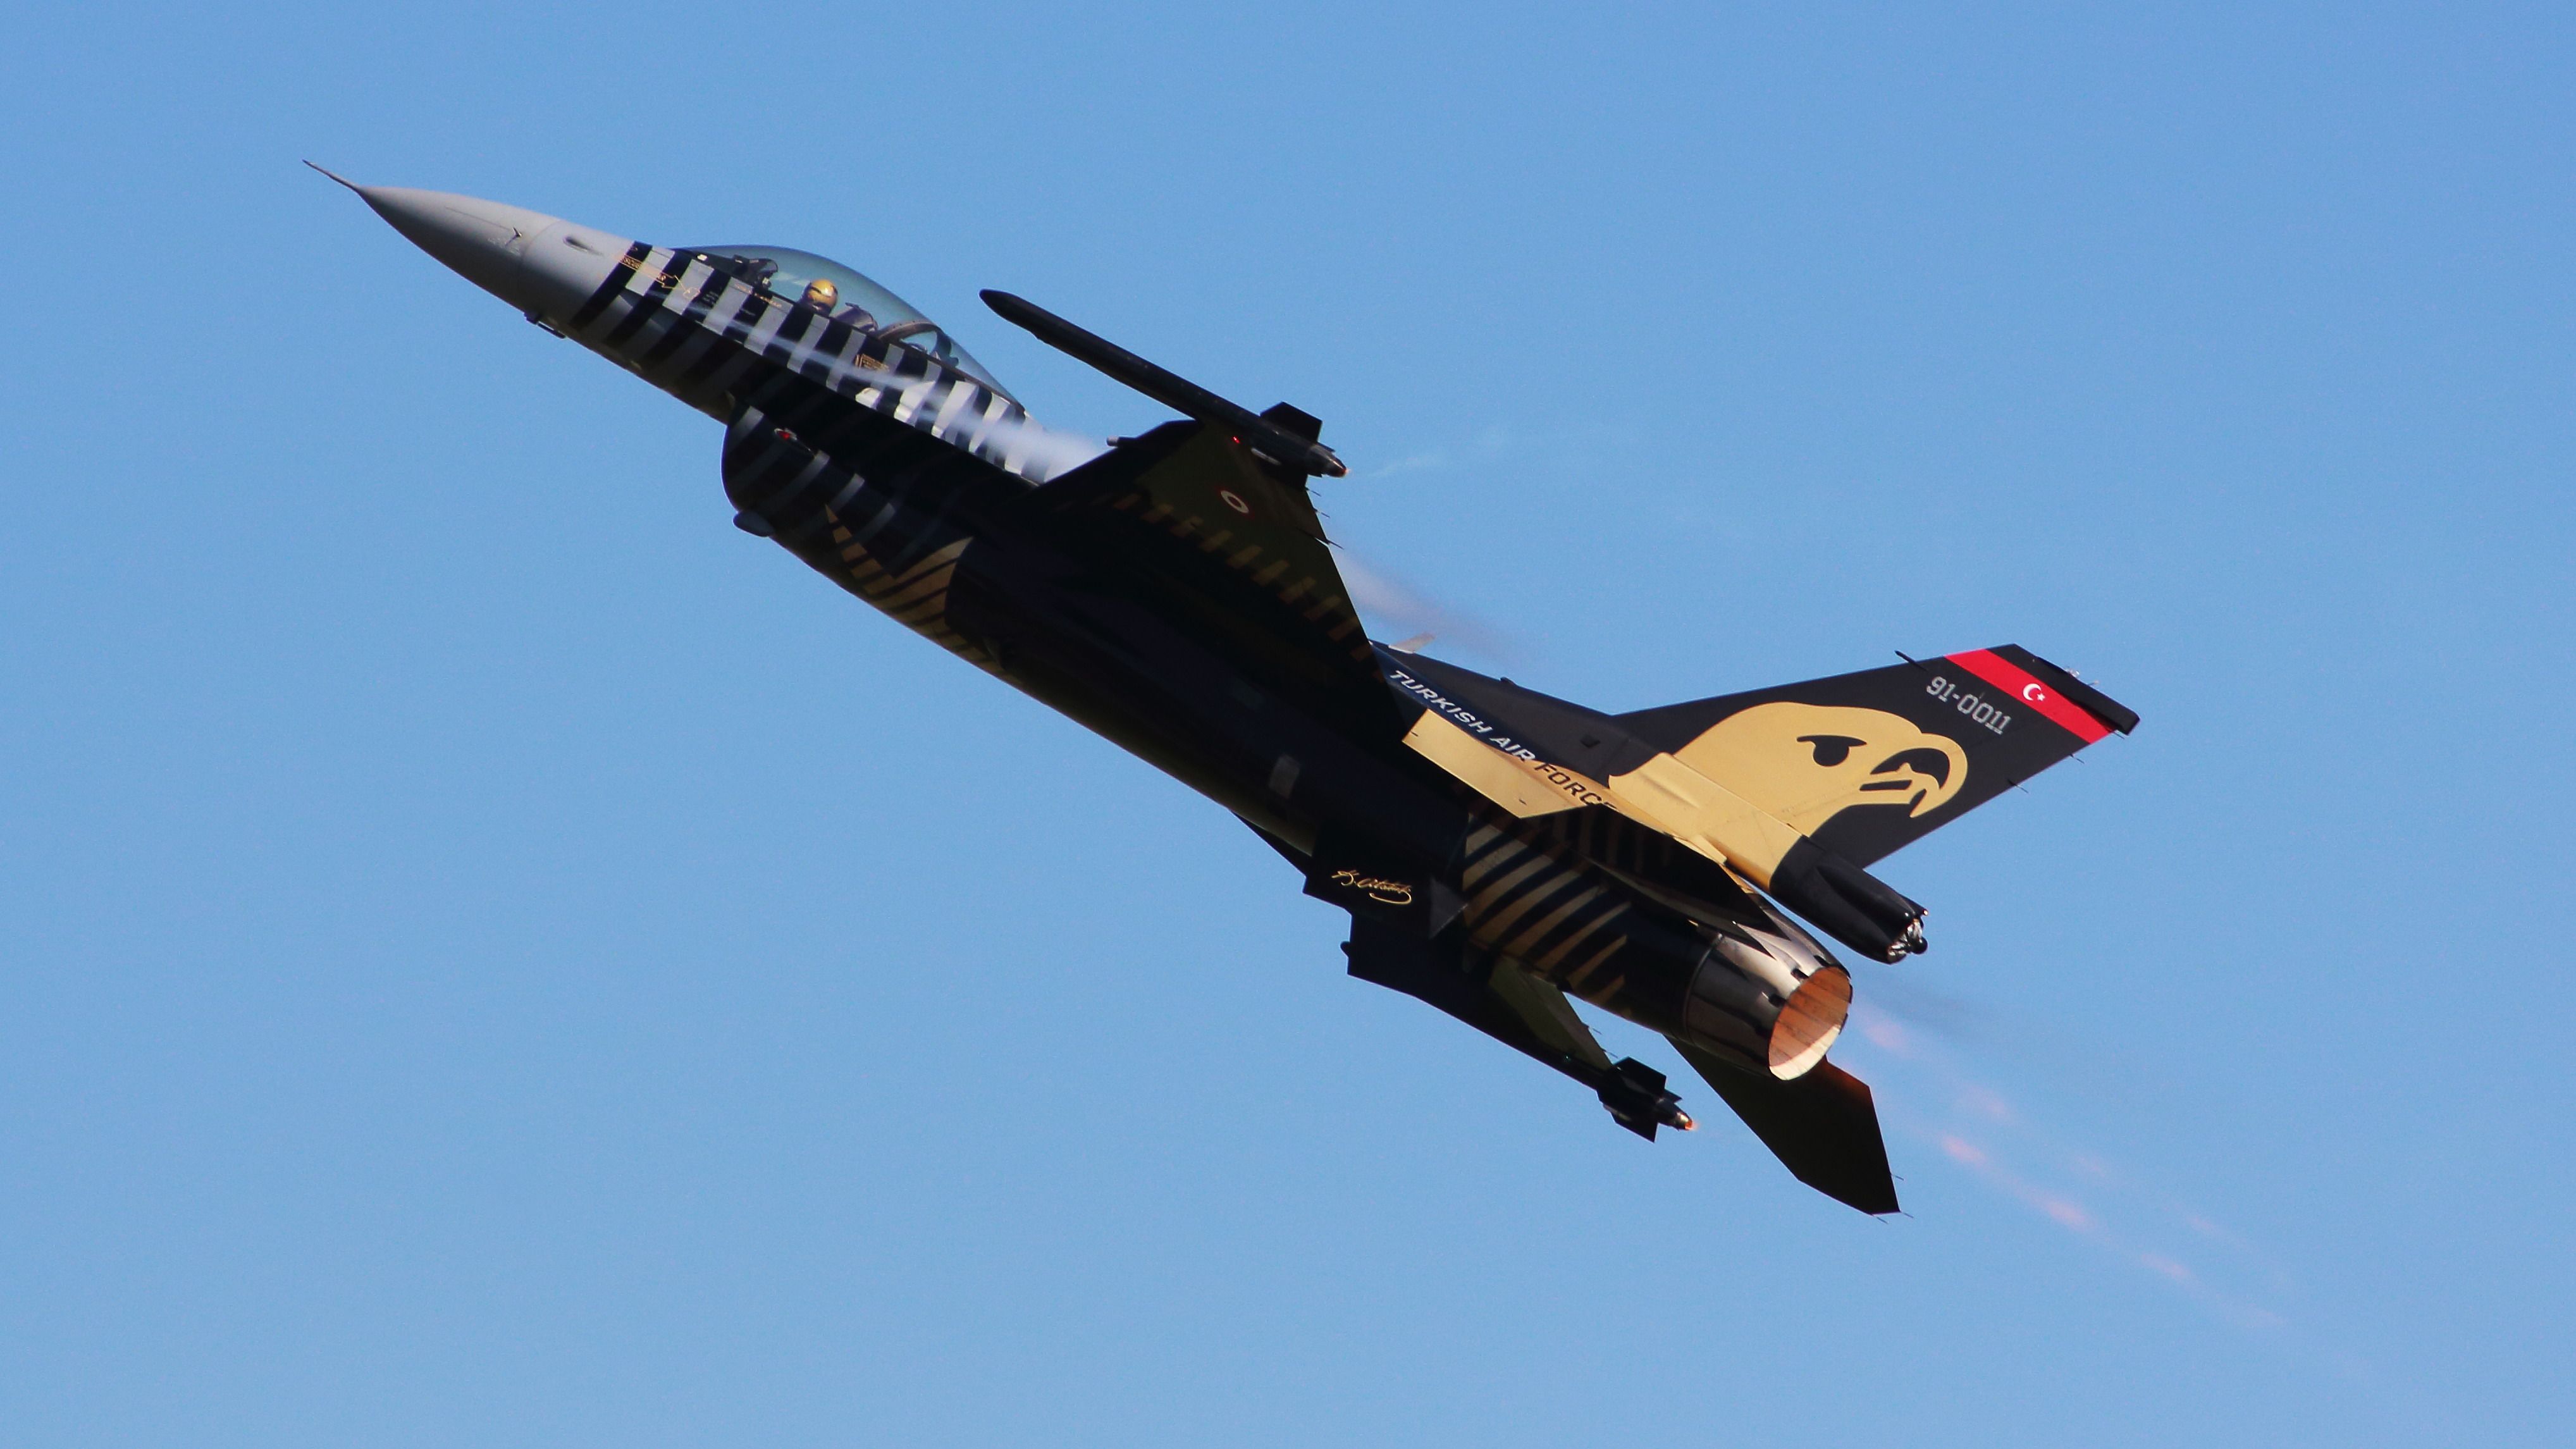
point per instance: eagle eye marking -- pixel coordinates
(1832, 750)
(1796, 761)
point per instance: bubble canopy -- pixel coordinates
(787, 273)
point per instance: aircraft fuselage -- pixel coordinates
(917, 486)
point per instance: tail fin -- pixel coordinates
(1795, 788)
(1865, 763)
(1848, 769)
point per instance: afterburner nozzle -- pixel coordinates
(1809, 1021)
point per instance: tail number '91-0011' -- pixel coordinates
(1974, 706)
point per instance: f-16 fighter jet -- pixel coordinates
(1498, 850)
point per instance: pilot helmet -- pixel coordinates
(820, 293)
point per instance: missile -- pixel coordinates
(1265, 437)
(1635, 1095)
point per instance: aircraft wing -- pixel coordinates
(1219, 545)
(1507, 1003)
(1495, 995)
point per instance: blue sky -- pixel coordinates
(491, 954)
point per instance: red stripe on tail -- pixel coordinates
(2019, 684)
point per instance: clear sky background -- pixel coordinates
(490, 954)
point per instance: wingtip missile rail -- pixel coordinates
(1262, 435)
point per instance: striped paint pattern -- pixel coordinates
(1530, 899)
(692, 328)
(871, 537)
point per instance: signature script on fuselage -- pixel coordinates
(1384, 892)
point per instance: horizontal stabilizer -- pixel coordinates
(1823, 1127)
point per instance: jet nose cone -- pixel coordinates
(542, 265)
(486, 242)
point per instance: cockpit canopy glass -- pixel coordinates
(791, 275)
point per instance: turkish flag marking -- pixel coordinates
(2018, 683)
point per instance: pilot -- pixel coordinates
(821, 295)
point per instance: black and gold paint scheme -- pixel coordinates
(1501, 853)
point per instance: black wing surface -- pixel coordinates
(1515, 1007)
(1187, 519)
(1489, 994)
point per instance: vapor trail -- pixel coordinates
(1397, 610)
(1040, 452)
(1929, 1095)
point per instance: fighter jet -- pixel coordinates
(1498, 850)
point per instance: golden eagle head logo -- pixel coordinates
(1806, 763)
